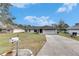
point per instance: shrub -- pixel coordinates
(0, 29)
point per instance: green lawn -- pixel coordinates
(31, 41)
(67, 35)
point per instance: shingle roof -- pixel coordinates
(48, 27)
(74, 27)
(42, 27)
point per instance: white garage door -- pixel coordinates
(50, 32)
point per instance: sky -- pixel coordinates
(40, 14)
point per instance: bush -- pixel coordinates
(0, 29)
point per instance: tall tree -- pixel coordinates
(62, 25)
(54, 26)
(6, 17)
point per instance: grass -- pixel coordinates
(64, 34)
(68, 35)
(31, 41)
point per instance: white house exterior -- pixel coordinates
(50, 32)
(70, 31)
(47, 30)
(18, 30)
(74, 29)
(32, 30)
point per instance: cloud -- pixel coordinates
(62, 9)
(67, 7)
(39, 21)
(30, 17)
(19, 5)
(22, 5)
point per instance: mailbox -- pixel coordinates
(14, 39)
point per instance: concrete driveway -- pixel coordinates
(59, 46)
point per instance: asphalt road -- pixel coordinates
(59, 46)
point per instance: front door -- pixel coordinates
(41, 31)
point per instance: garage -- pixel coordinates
(50, 32)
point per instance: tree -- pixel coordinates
(54, 25)
(0, 29)
(6, 17)
(62, 26)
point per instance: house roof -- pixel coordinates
(48, 27)
(76, 27)
(42, 27)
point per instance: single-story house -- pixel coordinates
(11, 29)
(15, 30)
(18, 30)
(73, 30)
(7, 30)
(4, 29)
(50, 30)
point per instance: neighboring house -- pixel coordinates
(18, 30)
(73, 30)
(10, 29)
(7, 30)
(49, 30)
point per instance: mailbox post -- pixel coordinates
(17, 44)
(16, 41)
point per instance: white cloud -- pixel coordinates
(39, 21)
(61, 9)
(22, 5)
(19, 5)
(67, 7)
(30, 17)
